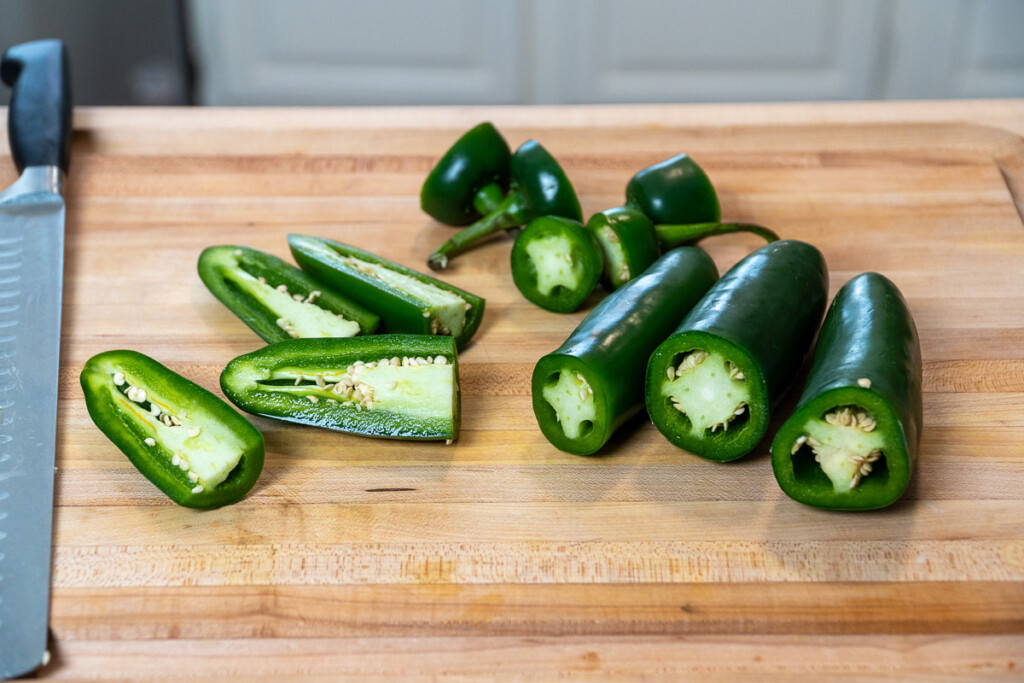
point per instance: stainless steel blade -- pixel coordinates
(31, 270)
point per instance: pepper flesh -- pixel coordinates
(628, 244)
(470, 179)
(590, 385)
(406, 300)
(540, 187)
(190, 444)
(753, 328)
(556, 263)
(852, 440)
(277, 300)
(391, 386)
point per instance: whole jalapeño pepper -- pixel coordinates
(584, 390)
(192, 445)
(710, 385)
(851, 442)
(471, 178)
(540, 187)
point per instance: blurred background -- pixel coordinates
(392, 52)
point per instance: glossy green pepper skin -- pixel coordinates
(867, 360)
(676, 191)
(470, 179)
(754, 328)
(260, 288)
(540, 187)
(406, 300)
(190, 444)
(397, 386)
(628, 243)
(604, 359)
(556, 263)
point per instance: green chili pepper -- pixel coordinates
(277, 300)
(627, 240)
(710, 385)
(675, 191)
(539, 188)
(193, 446)
(680, 200)
(406, 300)
(592, 383)
(470, 179)
(396, 386)
(852, 440)
(556, 263)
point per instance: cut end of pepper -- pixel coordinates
(706, 396)
(556, 263)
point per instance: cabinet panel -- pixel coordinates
(382, 52)
(688, 50)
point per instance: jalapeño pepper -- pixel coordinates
(556, 263)
(853, 437)
(627, 241)
(681, 207)
(407, 301)
(592, 383)
(710, 385)
(539, 188)
(394, 386)
(277, 300)
(471, 178)
(193, 446)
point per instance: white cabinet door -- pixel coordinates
(352, 52)
(698, 51)
(581, 51)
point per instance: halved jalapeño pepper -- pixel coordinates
(627, 241)
(556, 263)
(277, 300)
(710, 385)
(584, 390)
(394, 386)
(853, 438)
(407, 301)
(540, 187)
(471, 178)
(192, 445)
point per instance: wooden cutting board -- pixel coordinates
(500, 556)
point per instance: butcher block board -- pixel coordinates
(500, 556)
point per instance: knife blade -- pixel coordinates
(31, 269)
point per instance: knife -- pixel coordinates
(31, 268)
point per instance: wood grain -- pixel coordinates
(500, 556)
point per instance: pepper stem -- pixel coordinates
(508, 214)
(488, 198)
(671, 236)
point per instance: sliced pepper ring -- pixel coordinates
(627, 241)
(556, 263)
(470, 179)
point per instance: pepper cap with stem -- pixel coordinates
(676, 191)
(540, 187)
(470, 179)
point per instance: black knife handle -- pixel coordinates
(39, 115)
